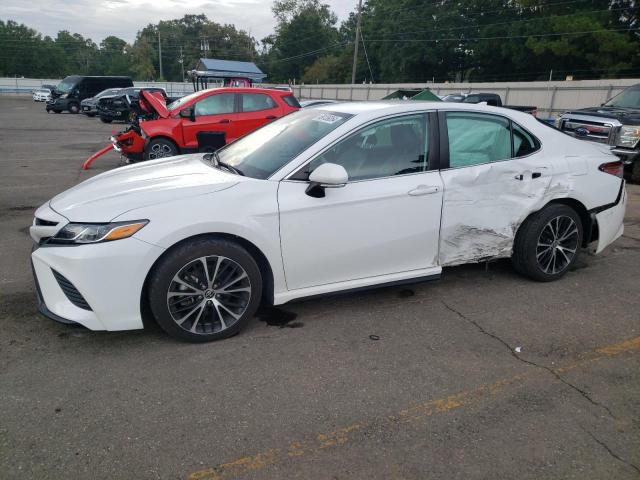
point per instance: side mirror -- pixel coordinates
(327, 175)
(188, 113)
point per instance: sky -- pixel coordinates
(98, 19)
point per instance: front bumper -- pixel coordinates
(88, 108)
(627, 155)
(110, 276)
(58, 104)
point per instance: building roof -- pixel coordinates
(230, 68)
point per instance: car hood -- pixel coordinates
(624, 115)
(106, 196)
(156, 103)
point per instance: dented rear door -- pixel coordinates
(493, 179)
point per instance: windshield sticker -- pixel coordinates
(327, 118)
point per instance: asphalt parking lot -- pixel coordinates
(413, 382)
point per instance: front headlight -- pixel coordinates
(628, 136)
(64, 95)
(81, 233)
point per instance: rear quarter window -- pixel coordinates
(291, 101)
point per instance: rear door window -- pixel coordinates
(477, 138)
(254, 102)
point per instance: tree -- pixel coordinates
(305, 31)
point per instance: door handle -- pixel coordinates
(270, 117)
(423, 190)
(536, 175)
(225, 120)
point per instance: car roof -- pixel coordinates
(381, 108)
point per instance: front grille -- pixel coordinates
(45, 223)
(594, 131)
(71, 291)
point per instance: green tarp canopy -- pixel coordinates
(413, 94)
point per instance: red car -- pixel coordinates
(201, 122)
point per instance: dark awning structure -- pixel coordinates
(209, 69)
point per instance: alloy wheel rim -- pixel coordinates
(209, 295)
(160, 151)
(557, 244)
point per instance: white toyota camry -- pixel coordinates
(329, 199)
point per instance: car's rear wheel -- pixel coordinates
(160, 148)
(635, 170)
(205, 289)
(547, 243)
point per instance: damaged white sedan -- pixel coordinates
(339, 197)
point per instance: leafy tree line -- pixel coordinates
(401, 41)
(448, 40)
(25, 52)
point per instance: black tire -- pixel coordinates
(106, 119)
(539, 255)
(635, 171)
(159, 148)
(185, 260)
(74, 108)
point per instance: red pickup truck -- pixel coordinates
(201, 122)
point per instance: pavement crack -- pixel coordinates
(583, 393)
(611, 452)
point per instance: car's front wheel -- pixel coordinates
(74, 108)
(205, 289)
(547, 243)
(160, 148)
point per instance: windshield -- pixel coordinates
(629, 98)
(181, 101)
(65, 86)
(108, 91)
(263, 152)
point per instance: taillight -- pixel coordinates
(613, 168)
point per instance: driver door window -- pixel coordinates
(397, 146)
(216, 104)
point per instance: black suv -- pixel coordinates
(72, 90)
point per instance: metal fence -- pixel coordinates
(551, 98)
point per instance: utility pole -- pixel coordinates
(355, 48)
(181, 61)
(160, 55)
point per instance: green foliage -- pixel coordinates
(303, 26)
(406, 41)
(27, 53)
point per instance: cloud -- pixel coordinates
(123, 18)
